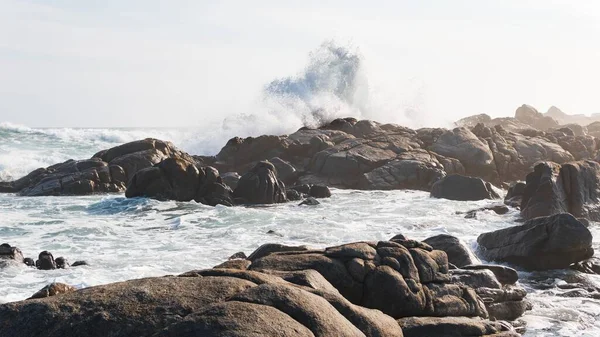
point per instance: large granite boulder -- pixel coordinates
(542, 243)
(217, 302)
(458, 187)
(569, 188)
(260, 185)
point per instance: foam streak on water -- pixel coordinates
(131, 238)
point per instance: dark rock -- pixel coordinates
(260, 186)
(457, 187)
(61, 263)
(107, 172)
(293, 195)
(542, 243)
(29, 262)
(285, 170)
(498, 209)
(505, 275)
(234, 264)
(302, 189)
(417, 170)
(45, 261)
(482, 278)
(238, 255)
(516, 189)
(319, 191)
(570, 188)
(458, 253)
(7, 252)
(270, 248)
(310, 201)
(79, 263)
(589, 266)
(231, 179)
(398, 237)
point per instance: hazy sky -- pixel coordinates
(183, 63)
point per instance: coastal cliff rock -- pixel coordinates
(552, 242)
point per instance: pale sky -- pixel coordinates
(183, 63)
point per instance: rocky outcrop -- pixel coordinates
(207, 303)
(45, 261)
(457, 187)
(277, 291)
(106, 171)
(542, 243)
(401, 278)
(344, 153)
(182, 180)
(569, 188)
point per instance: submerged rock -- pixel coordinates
(310, 201)
(542, 243)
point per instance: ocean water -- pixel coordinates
(131, 238)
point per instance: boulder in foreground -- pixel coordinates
(542, 243)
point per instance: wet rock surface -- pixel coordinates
(542, 243)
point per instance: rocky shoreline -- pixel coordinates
(399, 287)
